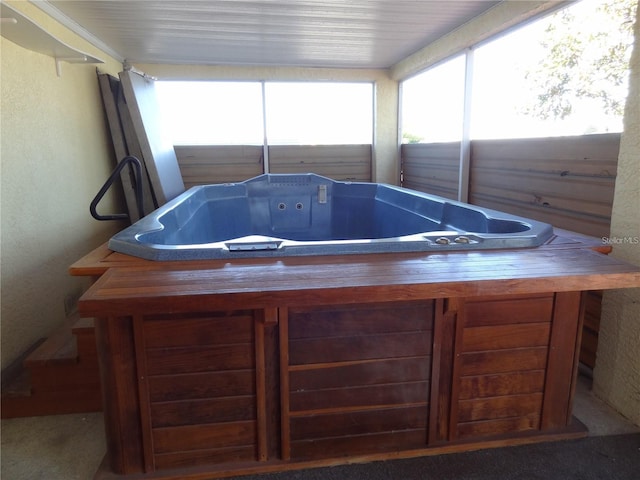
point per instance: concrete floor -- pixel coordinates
(71, 447)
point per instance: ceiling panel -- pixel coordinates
(324, 33)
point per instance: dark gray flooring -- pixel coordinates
(614, 457)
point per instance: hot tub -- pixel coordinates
(306, 214)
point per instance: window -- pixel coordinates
(565, 74)
(213, 113)
(298, 113)
(319, 113)
(562, 75)
(433, 103)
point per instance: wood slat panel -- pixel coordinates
(499, 407)
(509, 311)
(587, 224)
(497, 427)
(356, 445)
(481, 386)
(218, 154)
(537, 191)
(223, 163)
(499, 361)
(200, 437)
(164, 388)
(538, 188)
(211, 410)
(565, 181)
(443, 176)
(342, 172)
(207, 329)
(362, 373)
(432, 168)
(207, 164)
(319, 350)
(199, 359)
(293, 154)
(505, 337)
(359, 320)
(357, 423)
(340, 162)
(204, 457)
(366, 396)
(586, 154)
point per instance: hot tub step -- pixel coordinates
(59, 376)
(60, 347)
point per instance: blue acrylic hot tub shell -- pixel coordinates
(306, 214)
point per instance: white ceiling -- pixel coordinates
(306, 33)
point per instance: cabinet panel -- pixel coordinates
(198, 392)
(358, 378)
(499, 378)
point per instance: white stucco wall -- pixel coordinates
(617, 371)
(55, 153)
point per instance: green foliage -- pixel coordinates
(587, 59)
(411, 138)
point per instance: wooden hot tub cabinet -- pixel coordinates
(217, 368)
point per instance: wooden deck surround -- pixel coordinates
(218, 368)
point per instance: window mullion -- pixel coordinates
(465, 142)
(265, 141)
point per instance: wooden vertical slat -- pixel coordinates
(272, 376)
(143, 393)
(117, 357)
(559, 384)
(441, 400)
(285, 433)
(576, 356)
(457, 305)
(261, 407)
